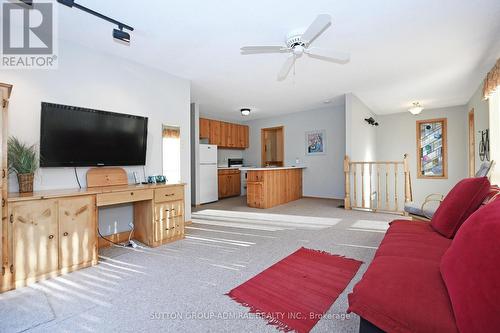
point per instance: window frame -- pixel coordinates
(444, 139)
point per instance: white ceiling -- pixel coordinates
(435, 52)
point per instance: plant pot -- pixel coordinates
(25, 182)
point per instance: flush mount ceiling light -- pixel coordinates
(416, 108)
(245, 112)
(118, 34)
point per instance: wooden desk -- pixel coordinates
(55, 232)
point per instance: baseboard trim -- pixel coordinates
(188, 222)
(316, 197)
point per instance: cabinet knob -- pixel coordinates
(51, 236)
(169, 195)
(65, 233)
(131, 193)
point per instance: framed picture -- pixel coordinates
(316, 142)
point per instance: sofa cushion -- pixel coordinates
(471, 271)
(420, 244)
(403, 295)
(459, 204)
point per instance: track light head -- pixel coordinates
(371, 121)
(121, 35)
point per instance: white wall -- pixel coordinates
(396, 135)
(91, 79)
(323, 176)
(361, 138)
(481, 119)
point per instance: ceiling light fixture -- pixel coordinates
(416, 108)
(118, 34)
(245, 112)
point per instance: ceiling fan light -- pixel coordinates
(245, 112)
(416, 108)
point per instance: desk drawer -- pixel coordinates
(169, 194)
(114, 198)
(169, 210)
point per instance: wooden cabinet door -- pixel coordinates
(204, 128)
(35, 238)
(215, 132)
(224, 134)
(235, 184)
(233, 136)
(255, 194)
(223, 186)
(169, 222)
(77, 232)
(246, 139)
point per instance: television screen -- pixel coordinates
(73, 136)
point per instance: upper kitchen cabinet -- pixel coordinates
(224, 134)
(204, 128)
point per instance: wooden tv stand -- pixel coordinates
(55, 232)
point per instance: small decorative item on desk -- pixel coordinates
(161, 179)
(151, 179)
(23, 161)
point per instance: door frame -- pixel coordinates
(280, 129)
(472, 144)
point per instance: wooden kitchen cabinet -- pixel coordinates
(204, 128)
(34, 240)
(224, 134)
(215, 132)
(77, 232)
(229, 183)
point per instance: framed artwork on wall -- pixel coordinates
(316, 142)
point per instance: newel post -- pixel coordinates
(408, 190)
(347, 171)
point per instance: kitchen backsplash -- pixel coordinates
(224, 154)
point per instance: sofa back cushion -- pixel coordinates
(463, 200)
(471, 271)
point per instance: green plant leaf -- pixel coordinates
(22, 158)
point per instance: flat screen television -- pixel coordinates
(73, 137)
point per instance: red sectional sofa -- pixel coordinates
(419, 280)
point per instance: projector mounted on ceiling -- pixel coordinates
(298, 43)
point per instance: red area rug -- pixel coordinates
(295, 293)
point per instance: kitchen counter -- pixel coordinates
(269, 187)
(270, 168)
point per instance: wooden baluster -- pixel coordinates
(370, 173)
(347, 173)
(363, 204)
(379, 196)
(395, 186)
(355, 199)
(408, 191)
(387, 186)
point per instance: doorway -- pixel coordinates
(472, 145)
(272, 141)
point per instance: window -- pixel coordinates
(172, 154)
(431, 148)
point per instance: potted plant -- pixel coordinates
(23, 160)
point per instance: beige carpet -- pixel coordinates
(180, 287)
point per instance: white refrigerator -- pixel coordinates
(209, 191)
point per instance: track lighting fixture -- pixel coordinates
(371, 121)
(118, 34)
(245, 112)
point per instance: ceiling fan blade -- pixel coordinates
(319, 25)
(263, 49)
(328, 55)
(285, 69)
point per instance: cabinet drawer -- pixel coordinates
(166, 229)
(169, 210)
(123, 197)
(169, 194)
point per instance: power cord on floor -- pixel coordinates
(129, 243)
(77, 179)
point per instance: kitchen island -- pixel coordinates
(269, 187)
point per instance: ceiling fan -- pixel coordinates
(298, 43)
